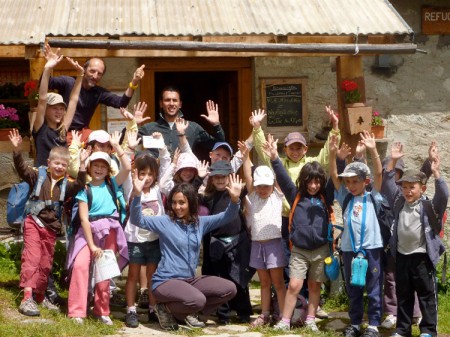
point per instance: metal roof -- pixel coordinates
(30, 21)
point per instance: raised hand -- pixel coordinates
(76, 136)
(138, 184)
(368, 139)
(243, 148)
(234, 187)
(126, 114)
(270, 147)
(432, 151)
(52, 58)
(139, 73)
(202, 168)
(333, 144)
(257, 117)
(333, 116)
(435, 163)
(360, 151)
(181, 124)
(344, 151)
(139, 110)
(133, 139)
(213, 113)
(15, 139)
(78, 68)
(84, 154)
(176, 155)
(397, 151)
(115, 139)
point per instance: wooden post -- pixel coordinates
(350, 68)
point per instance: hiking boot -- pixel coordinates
(29, 308)
(425, 335)
(311, 325)
(194, 322)
(320, 313)
(143, 300)
(49, 305)
(152, 318)
(131, 319)
(78, 320)
(389, 322)
(165, 318)
(351, 331)
(370, 333)
(105, 320)
(260, 321)
(281, 325)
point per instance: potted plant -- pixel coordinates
(377, 125)
(357, 115)
(31, 91)
(9, 119)
(351, 93)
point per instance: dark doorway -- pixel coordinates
(196, 89)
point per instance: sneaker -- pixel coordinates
(320, 313)
(152, 318)
(143, 301)
(260, 321)
(29, 308)
(281, 325)
(194, 322)
(311, 325)
(416, 320)
(351, 331)
(370, 333)
(389, 322)
(131, 319)
(49, 305)
(78, 320)
(425, 335)
(165, 318)
(105, 320)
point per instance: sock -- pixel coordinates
(27, 294)
(39, 297)
(356, 326)
(372, 327)
(310, 318)
(130, 309)
(287, 321)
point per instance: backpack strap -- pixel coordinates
(42, 175)
(291, 216)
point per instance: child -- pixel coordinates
(415, 241)
(361, 234)
(226, 251)
(178, 291)
(41, 227)
(52, 120)
(143, 245)
(101, 229)
(263, 214)
(311, 217)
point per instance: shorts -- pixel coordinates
(267, 255)
(309, 262)
(144, 252)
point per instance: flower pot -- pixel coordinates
(358, 119)
(4, 133)
(378, 131)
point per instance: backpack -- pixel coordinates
(21, 202)
(385, 217)
(116, 195)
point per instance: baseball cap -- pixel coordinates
(100, 155)
(220, 167)
(294, 137)
(263, 175)
(413, 176)
(53, 99)
(100, 136)
(356, 169)
(399, 165)
(224, 145)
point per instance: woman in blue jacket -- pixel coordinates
(177, 289)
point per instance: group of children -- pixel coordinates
(178, 204)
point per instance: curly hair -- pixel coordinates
(309, 172)
(191, 195)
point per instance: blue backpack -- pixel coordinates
(21, 202)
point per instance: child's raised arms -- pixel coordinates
(368, 139)
(333, 144)
(234, 187)
(257, 117)
(270, 147)
(125, 165)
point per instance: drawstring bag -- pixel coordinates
(359, 270)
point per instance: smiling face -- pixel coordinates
(170, 103)
(54, 114)
(356, 185)
(93, 73)
(295, 151)
(149, 178)
(219, 154)
(98, 170)
(57, 167)
(180, 206)
(412, 191)
(220, 182)
(264, 191)
(313, 186)
(187, 174)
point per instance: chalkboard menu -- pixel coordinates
(283, 102)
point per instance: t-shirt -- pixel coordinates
(46, 139)
(372, 234)
(264, 215)
(410, 232)
(102, 201)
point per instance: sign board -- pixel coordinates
(285, 103)
(436, 20)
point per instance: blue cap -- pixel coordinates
(223, 144)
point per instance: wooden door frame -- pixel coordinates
(241, 65)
